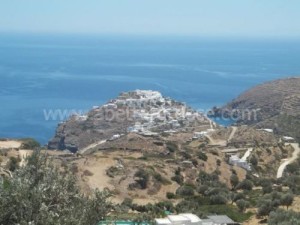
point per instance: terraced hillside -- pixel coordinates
(274, 105)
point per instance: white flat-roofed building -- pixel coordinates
(221, 220)
(110, 106)
(179, 220)
(286, 138)
(198, 135)
(266, 130)
(164, 221)
(192, 219)
(195, 220)
(236, 161)
(81, 117)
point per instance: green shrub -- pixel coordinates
(282, 217)
(170, 195)
(202, 156)
(87, 173)
(178, 179)
(172, 147)
(13, 163)
(30, 143)
(242, 205)
(218, 199)
(234, 180)
(159, 178)
(287, 200)
(143, 178)
(245, 185)
(185, 190)
(186, 155)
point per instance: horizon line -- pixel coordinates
(148, 35)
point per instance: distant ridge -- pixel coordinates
(277, 104)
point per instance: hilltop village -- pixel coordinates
(144, 112)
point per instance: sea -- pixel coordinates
(45, 78)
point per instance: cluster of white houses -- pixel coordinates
(151, 110)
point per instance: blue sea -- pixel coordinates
(40, 73)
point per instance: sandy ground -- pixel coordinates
(98, 167)
(213, 141)
(221, 142)
(254, 221)
(23, 154)
(296, 204)
(10, 144)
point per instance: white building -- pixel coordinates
(288, 139)
(115, 137)
(181, 219)
(191, 219)
(81, 117)
(110, 106)
(266, 130)
(198, 135)
(236, 161)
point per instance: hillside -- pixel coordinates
(274, 105)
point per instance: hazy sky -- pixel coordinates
(254, 18)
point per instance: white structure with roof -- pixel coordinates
(286, 138)
(198, 135)
(221, 220)
(191, 219)
(163, 221)
(236, 161)
(181, 219)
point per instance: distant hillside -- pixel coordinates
(276, 104)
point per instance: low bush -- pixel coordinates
(202, 156)
(170, 195)
(30, 143)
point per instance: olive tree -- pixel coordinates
(40, 193)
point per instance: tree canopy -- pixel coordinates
(40, 193)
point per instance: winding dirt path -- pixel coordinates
(219, 141)
(289, 161)
(247, 154)
(82, 151)
(234, 129)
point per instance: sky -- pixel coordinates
(217, 18)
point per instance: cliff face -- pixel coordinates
(274, 105)
(144, 112)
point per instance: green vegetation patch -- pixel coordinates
(229, 210)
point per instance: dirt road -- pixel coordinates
(289, 161)
(82, 151)
(234, 129)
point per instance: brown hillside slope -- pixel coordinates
(276, 103)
